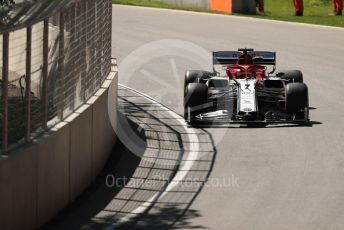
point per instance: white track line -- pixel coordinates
(182, 171)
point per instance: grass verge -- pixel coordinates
(316, 11)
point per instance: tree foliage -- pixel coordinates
(6, 2)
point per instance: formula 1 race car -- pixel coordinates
(241, 90)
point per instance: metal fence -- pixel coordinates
(54, 55)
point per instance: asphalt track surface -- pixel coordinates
(279, 177)
(288, 177)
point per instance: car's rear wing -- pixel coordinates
(231, 57)
(226, 57)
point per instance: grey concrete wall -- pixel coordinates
(53, 172)
(39, 180)
(194, 3)
(102, 130)
(18, 190)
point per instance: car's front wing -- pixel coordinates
(223, 117)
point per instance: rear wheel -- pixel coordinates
(291, 75)
(195, 97)
(194, 76)
(297, 99)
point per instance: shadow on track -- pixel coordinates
(173, 211)
(144, 175)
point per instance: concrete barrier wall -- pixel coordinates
(193, 3)
(42, 178)
(53, 172)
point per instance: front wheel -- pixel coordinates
(195, 98)
(297, 99)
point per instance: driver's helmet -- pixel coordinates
(245, 59)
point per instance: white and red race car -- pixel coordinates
(241, 90)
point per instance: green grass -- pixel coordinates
(316, 11)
